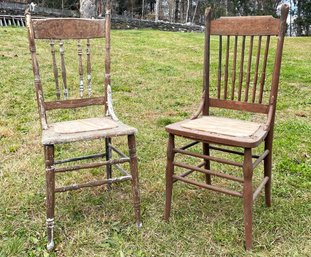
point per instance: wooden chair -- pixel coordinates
(253, 90)
(57, 34)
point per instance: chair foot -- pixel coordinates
(139, 224)
(268, 192)
(50, 246)
(50, 228)
(268, 196)
(248, 246)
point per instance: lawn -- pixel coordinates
(156, 80)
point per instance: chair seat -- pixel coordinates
(84, 129)
(220, 131)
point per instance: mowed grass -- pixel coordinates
(156, 80)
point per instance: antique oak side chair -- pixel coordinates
(240, 86)
(94, 35)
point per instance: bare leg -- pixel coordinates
(169, 176)
(268, 168)
(50, 193)
(248, 197)
(135, 180)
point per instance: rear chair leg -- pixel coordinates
(135, 180)
(50, 193)
(169, 176)
(108, 157)
(207, 164)
(248, 197)
(268, 169)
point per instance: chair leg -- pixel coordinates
(169, 176)
(135, 180)
(268, 168)
(108, 157)
(248, 197)
(50, 193)
(207, 164)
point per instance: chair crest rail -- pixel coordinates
(247, 26)
(70, 28)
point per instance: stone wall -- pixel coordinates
(130, 23)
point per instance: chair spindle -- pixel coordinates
(55, 71)
(62, 53)
(241, 68)
(249, 66)
(263, 73)
(219, 67)
(234, 66)
(226, 68)
(256, 69)
(89, 70)
(81, 86)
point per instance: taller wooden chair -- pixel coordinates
(244, 81)
(71, 92)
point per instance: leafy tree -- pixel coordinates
(303, 21)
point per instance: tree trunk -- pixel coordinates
(157, 9)
(176, 10)
(142, 9)
(182, 10)
(87, 8)
(187, 12)
(299, 18)
(195, 11)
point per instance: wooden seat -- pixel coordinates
(221, 130)
(246, 80)
(84, 129)
(75, 104)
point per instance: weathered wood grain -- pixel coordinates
(245, 26)
(70, 28)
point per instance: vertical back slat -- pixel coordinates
(226, 68)
(234, 66)
(89, 70)
(62, 58)
(219, 67)
(81, 86)
(249, 65)
(55, 71)
(263, 73)
(256, 69)
(241, 68)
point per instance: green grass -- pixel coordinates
(156, 79)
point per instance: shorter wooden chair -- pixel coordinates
(95, 36)
(253, 90)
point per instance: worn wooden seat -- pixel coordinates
(246, 80)
(84, 129)
(73, 89)
(221, 130)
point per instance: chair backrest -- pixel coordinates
(246, 66)
(82, 38)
